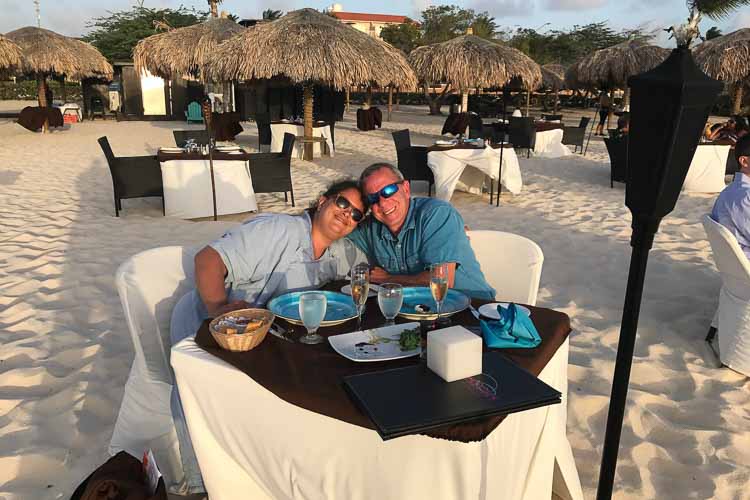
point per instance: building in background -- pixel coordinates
(371, 24)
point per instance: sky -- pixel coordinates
(70, 17)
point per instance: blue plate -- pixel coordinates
(339, 308)
(418, 303)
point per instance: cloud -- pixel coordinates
(574, 4)
(741, 21)
(503, 8)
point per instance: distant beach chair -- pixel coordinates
(133, 176)
(272, 172)
(730, 321)
(194, 113)
(574, 136)
(618, 159)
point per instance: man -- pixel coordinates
(406, 235)
(732, 207)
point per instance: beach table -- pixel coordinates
(276, 422)
(549, 140)
(187, 184)
(707, 169)
(278, 129)
(449, 167)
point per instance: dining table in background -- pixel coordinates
(186, 178)
(707, 169)
(279, 128)
(276, 422)
(449, 168)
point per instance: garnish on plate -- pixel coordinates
(410, 339)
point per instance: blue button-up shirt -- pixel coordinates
(732, 210)
(432, 232)
(266, 256)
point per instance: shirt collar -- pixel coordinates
(409, 223)
(742, 178)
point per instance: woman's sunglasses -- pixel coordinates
(384, 193)
(343, 204)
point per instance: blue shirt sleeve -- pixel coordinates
(443, 235)
(361, 237)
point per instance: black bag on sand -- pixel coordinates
(120, 478)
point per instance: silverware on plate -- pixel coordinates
(474, 312)
(279, 331)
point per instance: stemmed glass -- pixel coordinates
(360, 281)
(390, 298)
(439, 284)
(312, 310)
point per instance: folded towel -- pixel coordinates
(512, 330)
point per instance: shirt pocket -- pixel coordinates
(414, 263)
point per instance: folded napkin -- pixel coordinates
(512, 330)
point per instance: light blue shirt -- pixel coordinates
(432, 232)
(732, 210)
(266, 256)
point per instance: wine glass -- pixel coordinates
(390, 298)
(439, 284)
(360, 281)
(312, 310)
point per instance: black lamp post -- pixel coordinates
(208, 118)
(669, 108)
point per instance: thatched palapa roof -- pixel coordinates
(183, 51)
(727, 57)
(48, 53)
(611, 66)
(307, 46)
(10, 55)
(468, 61)
(553, 76)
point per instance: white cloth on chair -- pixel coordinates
(707, 169)
(548, 144)
(450, 165)
(279, 129)
(733, 319)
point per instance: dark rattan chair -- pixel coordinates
(478, 130)
(618, 159)
(272, 172)
(133, 176)
(552, 118)
(182, 136)
(264, 132)
(522, 132)
(412, 160)
(575, 136)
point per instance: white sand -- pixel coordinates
(65, 351)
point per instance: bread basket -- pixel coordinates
(222, 327)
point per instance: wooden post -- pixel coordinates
(308, 117)
(626, 98)
(528, 101)
(464, 101)
(41, 85)
(737, 104)
(611, 105)
(390, 101)
(398, 99)
(346, 108)
(63, 90)
(368, 97)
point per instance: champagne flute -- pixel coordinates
(312, 310)
(390, 298)
(439, 284)
(360, 282)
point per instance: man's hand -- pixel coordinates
(379, 275)
(232, 306)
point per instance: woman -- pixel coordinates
(604, 109)
(269, 255)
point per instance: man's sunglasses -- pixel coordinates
(384, 193)
(343, 204)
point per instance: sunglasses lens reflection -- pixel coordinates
(343, 204)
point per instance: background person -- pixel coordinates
(732, 207)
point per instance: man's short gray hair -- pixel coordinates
(378, 166)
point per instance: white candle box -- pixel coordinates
(454, 353)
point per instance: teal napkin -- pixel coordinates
(512, 330)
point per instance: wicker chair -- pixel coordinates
(182, 136)
(478, 130)
(133, 176)
(272, 172)
(522, 133)
(412, 160)
(575, 136)
(618, 159)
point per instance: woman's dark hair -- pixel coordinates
(742, 148)
(332, 190)
(740, 123)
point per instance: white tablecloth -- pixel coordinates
(252, 444)
(449, 167)
(279, 129)
(187, 188)
(549, 144)
(706, 172)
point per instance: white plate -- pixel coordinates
(172, 150)
(445, 143)
(373, 292)
(227, 148)
(378, 344)
(490, 310)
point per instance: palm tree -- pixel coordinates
(271, 15)
(684, 34)
(213, 4)
(713, 32)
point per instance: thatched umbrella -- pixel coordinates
(727, 58)
(307, 46)
(612, 66)
(468, 61)
(10, 56)
(48, 53)
(553, 78)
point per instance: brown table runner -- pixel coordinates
(439, 147)
(218, 155)
(311, 376)
(546, 126)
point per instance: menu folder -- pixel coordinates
(413, 399)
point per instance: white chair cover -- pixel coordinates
(549, 144)
(733, 322)
(149, 285)
(707, 169)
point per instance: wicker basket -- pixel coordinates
(239, 342)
